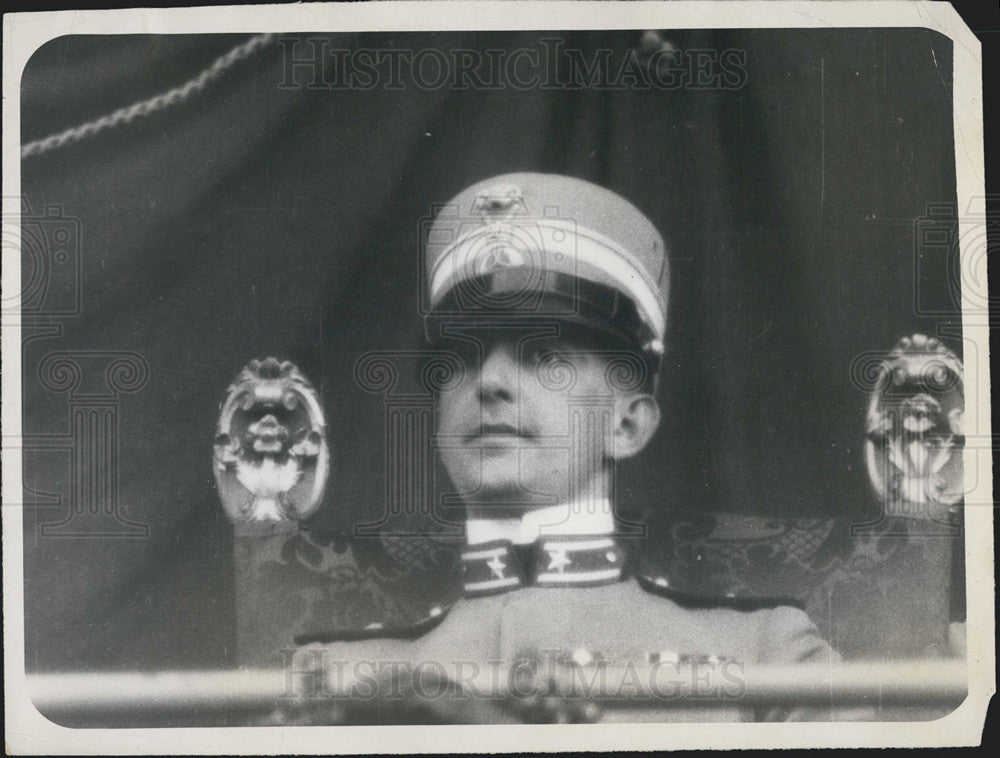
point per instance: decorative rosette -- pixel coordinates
(271, 455)
(914, 429)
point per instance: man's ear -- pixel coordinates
(637, 418)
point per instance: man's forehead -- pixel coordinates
(556, 335)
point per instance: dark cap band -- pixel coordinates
(506, 300)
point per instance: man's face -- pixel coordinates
(531, 424)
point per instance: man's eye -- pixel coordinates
(533, 355)
(537, 355)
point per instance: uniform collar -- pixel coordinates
(566, 545)
(579, 518)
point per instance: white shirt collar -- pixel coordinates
(589, 517)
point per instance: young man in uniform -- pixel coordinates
(553, 292)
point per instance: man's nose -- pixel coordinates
(498, 375)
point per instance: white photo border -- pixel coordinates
(27, 731)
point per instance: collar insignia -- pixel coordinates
(490, 568)
(578, 561)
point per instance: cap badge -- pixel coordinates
(499, 202)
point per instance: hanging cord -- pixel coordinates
(153, 104)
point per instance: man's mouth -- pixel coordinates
(496, 433)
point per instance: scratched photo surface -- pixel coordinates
(215, 214)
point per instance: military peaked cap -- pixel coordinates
(547, 246)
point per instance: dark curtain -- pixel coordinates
(262, 216)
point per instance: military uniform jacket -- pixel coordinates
(576, 599)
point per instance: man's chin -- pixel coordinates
(514, 482)
(506, 496)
